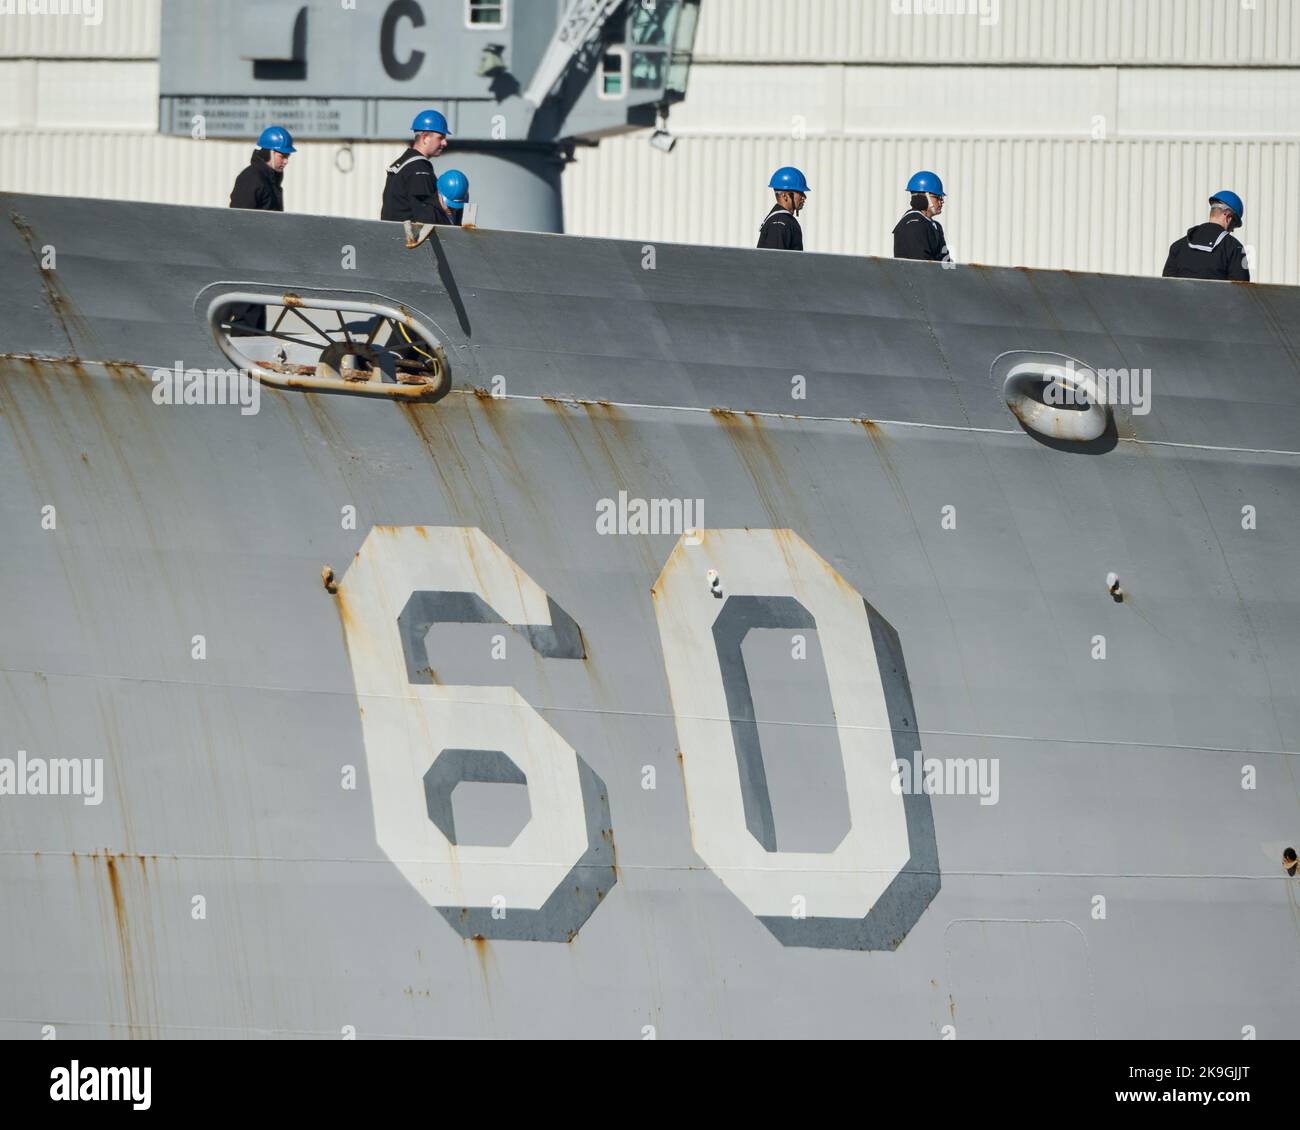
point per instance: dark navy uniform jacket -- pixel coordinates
(781, 231)
(259, 186)
(411, 191)
(1207, 251)
(919, 237)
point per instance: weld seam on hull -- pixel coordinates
(1036, 738)
(627, 406)
(703, 869)
(883, 423)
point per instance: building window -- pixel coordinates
(486, 15)
(613, 74)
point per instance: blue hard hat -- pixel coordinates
(277, 140)
(430, 121)
(926, 182)
(453, 187)
(789, 179)
(1232, 200)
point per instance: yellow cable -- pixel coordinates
(411, 342)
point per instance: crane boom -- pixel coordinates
(582, 20)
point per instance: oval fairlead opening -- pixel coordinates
(1054, 396)
(329, 343)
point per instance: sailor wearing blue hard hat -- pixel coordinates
(781, 230)
(919, 235)
(260, 185)
(453, 194)
(1209, 250)
(411, 190)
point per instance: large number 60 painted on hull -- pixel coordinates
(421, 739)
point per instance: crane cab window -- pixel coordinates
(613, 73)
(486, 15)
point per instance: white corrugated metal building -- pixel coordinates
(1080, 134)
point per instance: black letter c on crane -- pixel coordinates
(398, 10)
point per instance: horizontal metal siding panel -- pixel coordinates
(178, 170)
(84, 95)
(1004, 100)
(995, 100)
(126, 29)
(1204, 32)
(1062, 204)
(1123, 103)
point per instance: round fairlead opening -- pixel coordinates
(1054, 396)
(317, 341)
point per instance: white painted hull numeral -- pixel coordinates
(773, 579)
(546, 883)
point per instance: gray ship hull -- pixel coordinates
(1124, 878)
